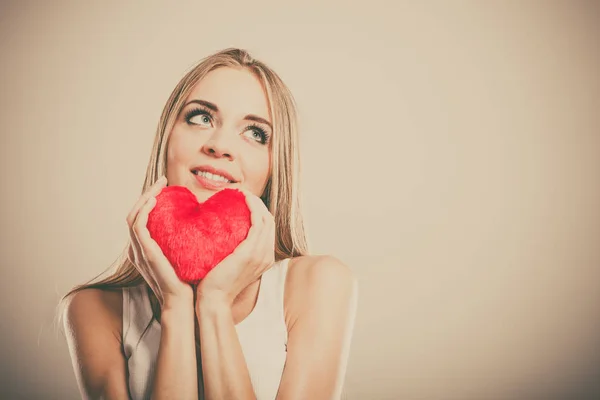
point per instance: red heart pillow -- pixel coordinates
(194, 236)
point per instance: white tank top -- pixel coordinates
(262, 335)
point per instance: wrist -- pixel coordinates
(177, 316)
(213, 301)
(177, 304)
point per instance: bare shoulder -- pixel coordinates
(93, 325)
(315, 277)
(102, 308)
(303, 268)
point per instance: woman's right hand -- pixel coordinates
(148, 257)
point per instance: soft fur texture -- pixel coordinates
(194, 236)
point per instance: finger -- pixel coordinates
(267, 224)
(134, 247)
(136, 257)
(140, 227)
(257, 208)
(261, 240)
(272, 231)
(261, 207)
(266, 241)
(254, 243)
(153, 191)
(255, 216)
(151, 250)
(136, 227)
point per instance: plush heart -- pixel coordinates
(195, 236)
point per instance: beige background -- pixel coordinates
(451, 157)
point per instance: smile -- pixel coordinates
(213, 177)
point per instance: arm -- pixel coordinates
(92, 330)
(223, 364)
(176, 373)
(322, 313)
(92, 322)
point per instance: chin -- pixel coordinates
(202, 194)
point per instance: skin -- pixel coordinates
(223, 140)
(320, 291)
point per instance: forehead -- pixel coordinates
(236, 92)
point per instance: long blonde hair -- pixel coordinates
(281, 195)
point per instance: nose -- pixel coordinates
(219, 145)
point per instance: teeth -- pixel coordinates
(214, 177)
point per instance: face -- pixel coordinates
(222, 136)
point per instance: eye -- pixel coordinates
(257, 133)
(198, 116)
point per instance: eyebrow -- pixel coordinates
(213, 107)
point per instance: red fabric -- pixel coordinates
(197, 236)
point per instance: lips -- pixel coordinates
(214, 171)
(211, 184)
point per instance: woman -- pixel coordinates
(268, 322)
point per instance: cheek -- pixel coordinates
(179, 146)
(258, 171)
(178, 152)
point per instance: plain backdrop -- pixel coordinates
(451, 158)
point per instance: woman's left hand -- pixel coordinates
(251, 258)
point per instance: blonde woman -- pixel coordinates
(270, 321)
